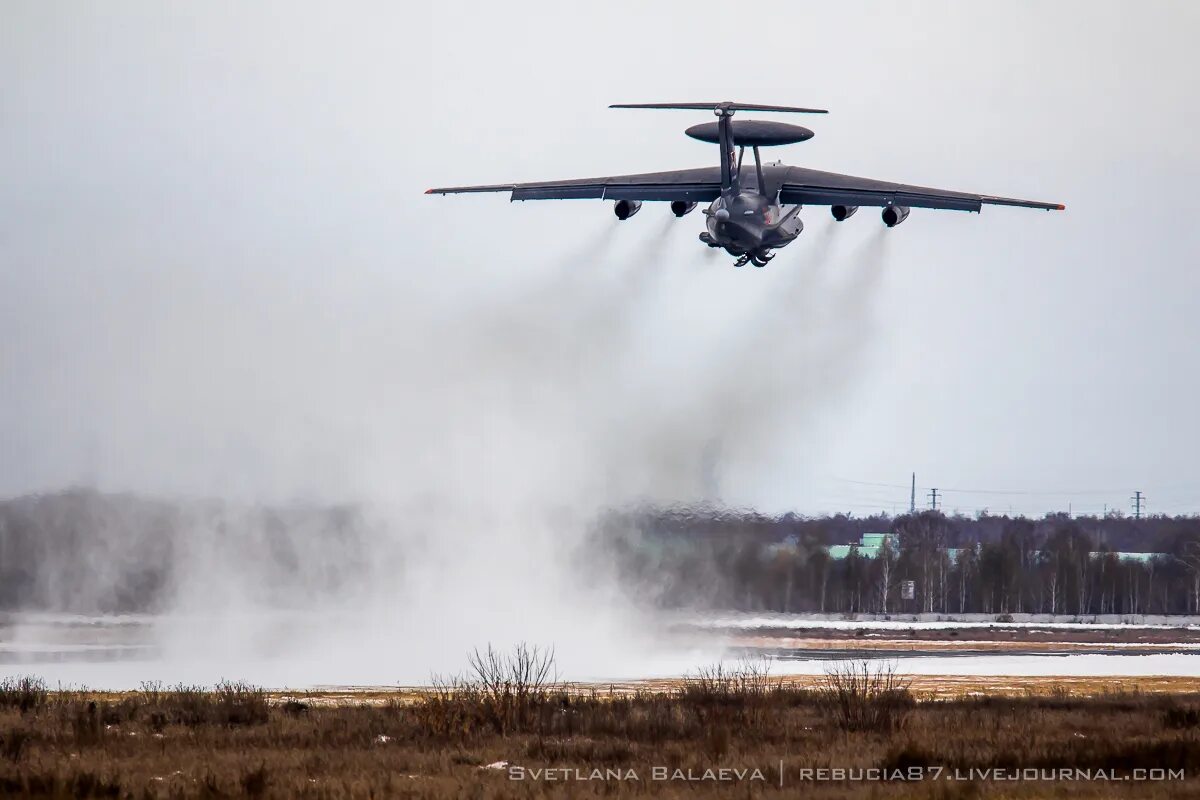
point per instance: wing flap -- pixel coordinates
(695, 192)
(553, 192)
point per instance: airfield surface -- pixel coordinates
(959, 656)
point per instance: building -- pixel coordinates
(868, 547)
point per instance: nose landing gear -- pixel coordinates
(759, 259)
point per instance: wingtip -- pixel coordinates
(1060, 207)
(429, 191)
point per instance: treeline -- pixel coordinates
(89, 552)
(1055, 565)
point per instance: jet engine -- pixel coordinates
(624, 209)
(842, 213)
(680, 208)
(894, 215)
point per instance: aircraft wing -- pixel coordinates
(690, 185)
(812, 187)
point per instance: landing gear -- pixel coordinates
(759, 259)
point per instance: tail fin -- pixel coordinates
(720, 108)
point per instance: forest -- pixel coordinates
(1057, 564)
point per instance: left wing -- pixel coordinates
(691, 185)
(813, 187)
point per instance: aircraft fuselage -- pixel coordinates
(747, 220)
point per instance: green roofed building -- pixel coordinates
(868, 547)
(1144, 558)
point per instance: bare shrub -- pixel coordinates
(241, 704)
(86, 727)
(863, 697)
(294, 708)
(228, 703)
(25, 693)
(452, 708)
(506, 692)
(1181, 718)
(721, 683)
(512, 685)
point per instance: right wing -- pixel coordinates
(813, 187)
(690, 185)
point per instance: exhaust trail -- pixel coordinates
(649, 261)
(767, 383)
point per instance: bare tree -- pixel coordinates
(1189, 556)
(886, 560)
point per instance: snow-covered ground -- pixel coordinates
(122, 652)
(1073, 665)
(747, 621)
(292, 674)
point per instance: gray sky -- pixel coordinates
(219, 274)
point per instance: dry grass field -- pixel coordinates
(508, 730)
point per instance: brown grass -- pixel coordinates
(236, 741)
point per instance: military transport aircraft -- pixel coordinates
(750, 213)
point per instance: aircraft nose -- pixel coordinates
(747, 235)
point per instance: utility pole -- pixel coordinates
(933, 498)
(912, 498)
(1138, 498)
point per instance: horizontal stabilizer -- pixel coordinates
(726, 106)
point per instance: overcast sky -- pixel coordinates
(219, 274)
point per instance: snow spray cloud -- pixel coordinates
(543, 410)
(472, 441)
(495, 478)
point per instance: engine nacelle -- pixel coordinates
(624, 209)
(842, 213)
(679, 208)
(894, 215)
